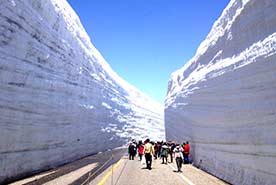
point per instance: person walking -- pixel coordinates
(183, 146)
(164, 153)
(156, 148)
(131, 151)
(140, 150)
(170, 151)
(186, 153)
(159, 149)
(149, 152)
(178, 157)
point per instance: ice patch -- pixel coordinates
(87, 106)
(12, 2)
(106, 105)
(80, 70)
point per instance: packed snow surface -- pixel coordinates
(59, 99)
(224, 99)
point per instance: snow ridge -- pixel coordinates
(60, 100)
(224, 101)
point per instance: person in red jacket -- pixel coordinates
(140, 150)
(186, 153)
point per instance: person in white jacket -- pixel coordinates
(178, 157)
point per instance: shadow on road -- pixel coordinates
(103, 161)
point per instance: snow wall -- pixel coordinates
(59, 99)
(224, 99)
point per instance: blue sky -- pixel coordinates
(144, 41)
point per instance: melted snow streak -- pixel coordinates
(224, 99)
(59, 98)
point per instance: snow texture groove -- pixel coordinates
(59, 99)
(224, 99)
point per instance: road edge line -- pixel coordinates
(182, 176)
(110, 172)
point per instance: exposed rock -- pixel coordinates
(224, 99)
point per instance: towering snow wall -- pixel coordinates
(224, 99)
(59, 99)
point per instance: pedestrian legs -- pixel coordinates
(179, 163)
(186, 158)
(171, 157)
(140, 155)
(148, 160)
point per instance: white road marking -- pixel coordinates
(182, 176)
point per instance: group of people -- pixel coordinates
(162, 150)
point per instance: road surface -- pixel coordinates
(114, 168)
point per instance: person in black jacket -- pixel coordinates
(131, 151)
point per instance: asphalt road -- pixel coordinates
(81, 171)
(114, 168)
(132, 172)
